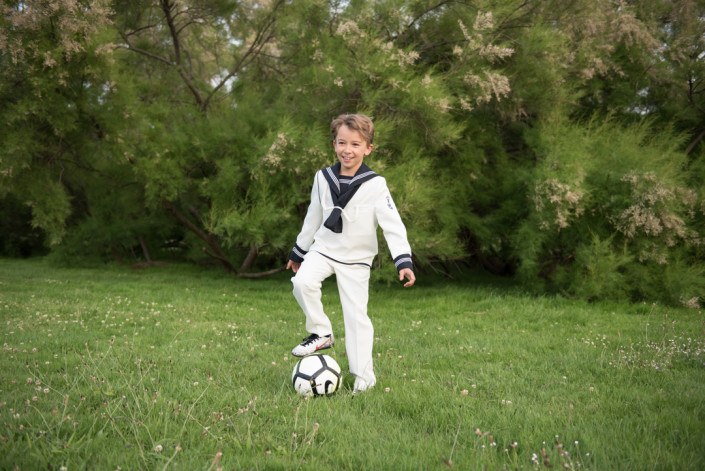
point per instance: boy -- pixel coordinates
(339, 236)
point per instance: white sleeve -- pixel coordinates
(393, 229)
(312, 222)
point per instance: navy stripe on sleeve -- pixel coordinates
(403, 261)
(297, 254)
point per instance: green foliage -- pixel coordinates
(50, 206)
(597, 271)
(683, 282)
(606, 199)
(537, 68)
(277, 183)
(50, 84)
(132, 123)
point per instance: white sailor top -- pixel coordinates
(361, 203)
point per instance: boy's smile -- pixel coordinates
(351, 148)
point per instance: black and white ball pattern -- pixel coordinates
(316, 375)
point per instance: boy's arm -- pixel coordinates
(312, 222)
(395, 234)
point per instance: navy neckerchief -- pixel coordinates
(340, 199)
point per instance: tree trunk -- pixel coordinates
(695, 142)
(145, 250)
(243, 272)
(212, 248)
(249, 260)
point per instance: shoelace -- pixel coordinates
(310, 339)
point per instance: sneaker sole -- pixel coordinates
(313, 352)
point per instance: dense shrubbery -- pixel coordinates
(612, 215)
(561, 142)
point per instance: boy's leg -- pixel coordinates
(307, 291)
(353, 286)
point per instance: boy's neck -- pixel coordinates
(348, 173)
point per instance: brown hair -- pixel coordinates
(356, 122)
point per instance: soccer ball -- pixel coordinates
(316, 375)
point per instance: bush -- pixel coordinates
(611, 214)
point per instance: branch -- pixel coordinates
(144, 52)
(426, 12)
(188, 23)
(262, 37)
(249, 260)
(695, 142)
(225, 262)
(194, 212)
(167, 9)
(216, 252)
(262, 274)
(135, 31)
(194, 91)
(506, 19)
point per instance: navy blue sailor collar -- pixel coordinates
(340, 199)
(332, 175)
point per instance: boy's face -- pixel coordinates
(351, 148)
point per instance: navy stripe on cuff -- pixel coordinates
(297, 254)
(403, 261)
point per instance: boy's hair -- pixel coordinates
(356, 122)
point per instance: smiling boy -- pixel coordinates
(339, 236)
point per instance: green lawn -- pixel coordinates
(181, 368)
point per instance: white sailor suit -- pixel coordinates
(339, 236)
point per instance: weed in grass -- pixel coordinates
(665, 352)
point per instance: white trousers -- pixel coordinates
(353, 287)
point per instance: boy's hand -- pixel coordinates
(293, 265)
(409, 275)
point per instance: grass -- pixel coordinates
(180, 368)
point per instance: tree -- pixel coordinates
(51, 78)
(189, 56)
(511, 133)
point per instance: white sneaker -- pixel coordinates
(361, 386)
(312, 344)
